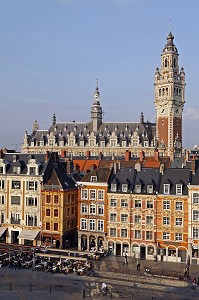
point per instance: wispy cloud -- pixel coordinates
(192, 113)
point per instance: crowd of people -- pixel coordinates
(18, 260)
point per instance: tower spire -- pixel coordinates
(96, 109)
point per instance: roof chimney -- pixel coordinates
(88, 154)
(47, 156)
(193, 165)
(156, 155)
(138, 166)
(162, 169)
(142, 155)
(69, 166)
(127, 155)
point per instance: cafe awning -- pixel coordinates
(28, 234)
(2, 230)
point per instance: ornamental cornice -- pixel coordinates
(15, 208)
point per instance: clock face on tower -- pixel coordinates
(163, 111)
(178, 111)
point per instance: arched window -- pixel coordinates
(159, 92)
(167, 91)
(174, 62)
(166, 63)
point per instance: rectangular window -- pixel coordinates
(83, 224)
(178, 189)
(124, 233)
(92, 209)
(2, 184)
(15, 218)
(31, 201)
(92, 194)
(92, 225)
(195, 198)
(16, 185)
(48, 198)
(138, 204)
(124, 188)
(100, 194)
(149, 235)
(100, 225)
(56, 199)
(2, 199)
(47, 212)
(93, 179)
(150, 189)
(137, 219)
(56, 213)
(113, 187)
(47, 226)
(178, 236)
(31, 220)
(113, 217)
(166, 220)
(124, 203)
(166, 235)
(84, 193)
(195, 215)
(112, 231)
(138, 188)
(124, 218)
(113, 203)
(149, 220)
(178, 221)
(149, 204)
(56, 227)
(84, 209)
(195, 233)
(32, 171)
(166, 189)
(31, 185)
(166, 204)
(2, 217)
(137, 234)
(100, 210)
(178, 205)
(15, 200)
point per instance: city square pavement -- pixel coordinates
(25, 284)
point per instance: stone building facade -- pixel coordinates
(108, 138)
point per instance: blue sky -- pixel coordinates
(52, 51)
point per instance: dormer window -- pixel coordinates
(178, 189)
(113, 187)
(138, 188)
(16, 170)
(124, 188)
(150, 189)
(93, 179)
(166, 189)
(32, 171)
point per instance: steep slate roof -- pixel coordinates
(81, 131)
(173, 176)
(22, 161)
(147, 176)
(56, 174)
(123, 176)
(103, 175)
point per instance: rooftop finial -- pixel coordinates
(170, 29)
(97, 83)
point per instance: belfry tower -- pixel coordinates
(169, 101)
(96, 111)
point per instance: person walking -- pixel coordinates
(138, 266)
